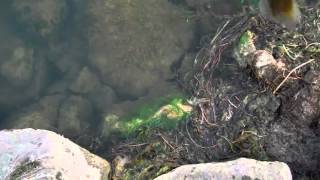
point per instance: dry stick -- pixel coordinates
(134, 145)
(219, 32)
(166, 141)
(293, 70)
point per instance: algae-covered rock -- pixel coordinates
(42, 154)
(134, 44)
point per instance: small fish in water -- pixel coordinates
(285, 12)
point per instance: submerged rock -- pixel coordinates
(21, 67)
(134, 44)
(42, 154)
(40, 17)
(237, 169)
(42, 115)
(75, 114)
(18, 69)
(87, 83)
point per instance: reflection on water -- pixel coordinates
(65, 65)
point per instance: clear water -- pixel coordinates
(67, 65)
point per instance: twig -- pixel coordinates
(167, 142)
(134, 145)
(293, 70)
(219, 32)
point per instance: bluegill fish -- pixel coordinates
(285, 12)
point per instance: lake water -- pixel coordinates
(67, 66)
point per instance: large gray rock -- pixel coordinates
(239, 169)
(41, 154)
(133, 44)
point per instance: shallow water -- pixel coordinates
(96, 71)
(67, 65)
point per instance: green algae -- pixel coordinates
(165, 114)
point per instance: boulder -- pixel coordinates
(238, 169)
(42, 154)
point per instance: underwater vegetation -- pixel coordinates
(165, 114)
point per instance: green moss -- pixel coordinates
(164, 114)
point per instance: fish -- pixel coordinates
(284, 12)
